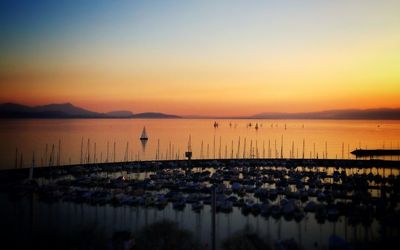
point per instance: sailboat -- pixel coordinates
(144, 137)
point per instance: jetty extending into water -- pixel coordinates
(375, 152)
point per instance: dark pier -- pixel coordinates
(375, 152)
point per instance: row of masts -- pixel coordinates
(51, 158)
(89, 155)
(242, 148)
(274, 150)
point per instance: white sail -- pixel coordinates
(144, 134)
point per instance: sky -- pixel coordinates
(204, 57)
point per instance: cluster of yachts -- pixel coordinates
(263, 190)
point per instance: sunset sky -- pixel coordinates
(201, 57)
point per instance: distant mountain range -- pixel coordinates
(67, 110)
(360, 114)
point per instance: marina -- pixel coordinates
(341, 194)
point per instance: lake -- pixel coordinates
(93, 140)
(29, 215)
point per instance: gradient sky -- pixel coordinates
(201, 57)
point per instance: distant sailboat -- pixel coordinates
(215, 124)
(144, 137)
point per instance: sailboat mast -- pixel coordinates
(32, 166)
(114, 152)
(94, 155)
(59, 153)
(81, 160)
(16, 157)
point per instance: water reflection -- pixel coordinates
(61, 140)
(143, 142)
(356, 205)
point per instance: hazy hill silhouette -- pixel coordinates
(67, 110)
(364, 114)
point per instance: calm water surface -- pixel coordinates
(65, 218)
(168, 139)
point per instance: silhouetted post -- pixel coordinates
(226, 151)
(115, 151)
(292, 155)
(238, 149)
(59, 152)
(232, 150)
(343, 150)
(169, 151)
(32, 166)
(81, 161)
(251, 149)
(188, 153)
(126, 152)
(220, 147)
(158, 149)
(314, 150)
(88, 151)
(201, 150)
(244, 148)
(94, 156)
(263, 149)
(326, 150)
(45, 155)
(269, 148)
(51, 160)
(16, 158)
(214, 148)
(108, 147)
(257, 156)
